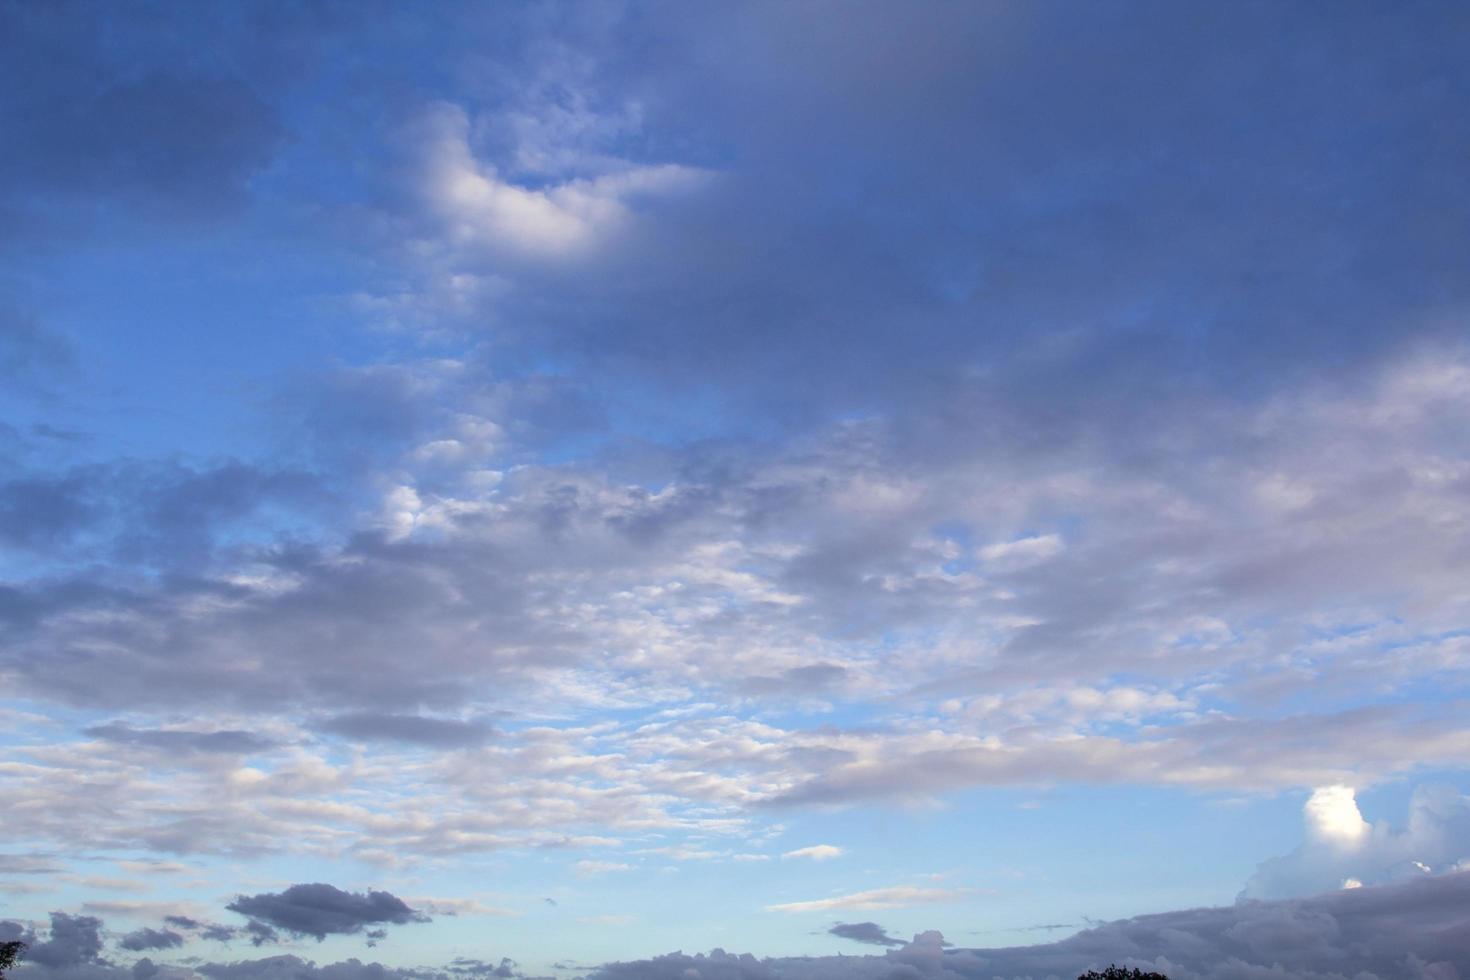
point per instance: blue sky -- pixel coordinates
(520, 490)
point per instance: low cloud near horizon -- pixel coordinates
(1413, 929)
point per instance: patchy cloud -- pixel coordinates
(548, 430)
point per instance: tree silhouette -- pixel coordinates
(9, 953)
(1115, 972)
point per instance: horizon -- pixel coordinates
(921, 490)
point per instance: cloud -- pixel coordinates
(319, 910)
(183, 740)
(1342, 850)
(72, 941)
(1154, 521)
(146, 938)
(481, 208)
(1409, 929)
(408, 729)
(898, 896)
(1380, 933)
(864, 932)
(105, 116)
(817, 852)
(1024, 550)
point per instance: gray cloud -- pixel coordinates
(1165, 392)
(864, 932)
(108, 114)
(72, 941)
(410, 729)
(182, 740)
(320, 909)
(219, 933)
(1398, 931)
(145, 938)
(949, 269)
(158, 514)
(1385, 932)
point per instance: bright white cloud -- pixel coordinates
(1342, 850)
(1332, 818)
(483, 209)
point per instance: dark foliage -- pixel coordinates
(9, 953)
(1115, 972)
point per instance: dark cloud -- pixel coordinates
(294, 968)
(208, 930)
(72, 941)
(110, 114)
(319, 910)
(864, 932)
(46, 511)
(156, 514)
(409, 729)
(182, 740)
(1201, 225)
(146, 938)
(257, 932)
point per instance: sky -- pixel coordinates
(763, 491)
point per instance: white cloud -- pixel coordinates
(482, 208)
(817, 852)
(1332, 818)
(899, 896)
(1342, 850)
(1023, 550)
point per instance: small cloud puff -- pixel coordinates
(817, 852)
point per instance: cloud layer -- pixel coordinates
(564, 448)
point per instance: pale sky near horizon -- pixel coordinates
(501, 489)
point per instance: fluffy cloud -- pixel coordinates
(482, 209)
(72, 941)
(1343, 850)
